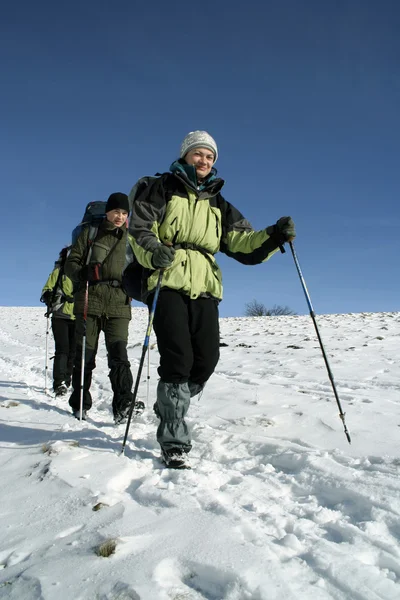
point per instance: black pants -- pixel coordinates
(187, 337)
(64, 338)
(116, 336)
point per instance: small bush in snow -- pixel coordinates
(106, 549)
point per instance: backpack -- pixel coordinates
(134, 276)
(57, 295)
(95, 212)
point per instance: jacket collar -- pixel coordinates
(109, 227)
(187, 173)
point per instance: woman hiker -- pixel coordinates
(178, 224)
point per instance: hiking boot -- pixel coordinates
(121, 416)
(77, 414)
(175, 458)
(139, 407)
(60, 390)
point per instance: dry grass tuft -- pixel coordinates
(47, 449)
(99, 506)
(106, 549)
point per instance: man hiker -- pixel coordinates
(108, 307)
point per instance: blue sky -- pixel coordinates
(302, 98)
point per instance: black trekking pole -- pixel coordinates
(312, 314)
(144, 350)
(85, 310)
(46, 362)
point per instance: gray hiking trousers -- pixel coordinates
(173, 401)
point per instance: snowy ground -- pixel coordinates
(277, 506)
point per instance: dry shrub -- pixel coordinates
(99, 506)
(106, 549)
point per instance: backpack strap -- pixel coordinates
(111, 251)
(93, 232)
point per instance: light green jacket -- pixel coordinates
(172, 210)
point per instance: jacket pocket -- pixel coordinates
(217, 229)
(170, 229)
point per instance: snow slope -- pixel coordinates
(277, 505)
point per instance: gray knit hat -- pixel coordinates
(198, 139)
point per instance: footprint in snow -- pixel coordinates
(69, 531)
(195, 581)
(120, 591)
(40, 470)
(22, 586)
(10, 558)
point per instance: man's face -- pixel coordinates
(202, 159)
(117, 216)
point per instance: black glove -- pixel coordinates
(47, 297)
(91, 272)
(163, 256)
(283, 230)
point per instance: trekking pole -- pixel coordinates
(148, 378)
(312, 314)
(91, 237)
(144, 350)
(85, 309)
(46, 361)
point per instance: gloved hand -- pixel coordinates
(46, 297)
(163, 256)
(91, 272)
(283, 230)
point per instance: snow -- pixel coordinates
(278, 505)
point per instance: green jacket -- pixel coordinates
(62, 305)
(174, 209)
(109, 248)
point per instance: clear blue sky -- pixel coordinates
(302, 97)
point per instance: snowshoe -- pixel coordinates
(175, 458)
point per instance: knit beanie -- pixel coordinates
(117, 200)
(198, 139)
